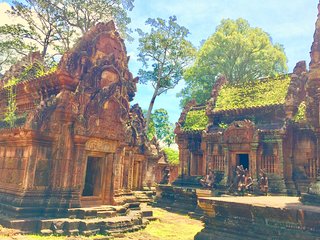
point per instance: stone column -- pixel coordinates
(227, 161)
(254, 171)
(280, 156)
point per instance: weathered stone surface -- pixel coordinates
(258, 218)
(80, 143)
(85, 221)
(260, 137)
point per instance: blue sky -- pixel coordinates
(289, 22)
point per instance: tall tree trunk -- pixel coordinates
(153, 99)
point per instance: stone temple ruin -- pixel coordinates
(270, 125)
(77, 142)
(275, 128)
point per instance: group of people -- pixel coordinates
(242, 183)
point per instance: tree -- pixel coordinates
(12, 48)
(161, 122)
(54, 26)
(160, 126)
(42, 23)
(81, 15)
(168, 52)
(236, 50)
(163, 128)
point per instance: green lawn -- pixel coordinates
(169, 226)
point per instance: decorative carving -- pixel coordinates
(239, 132)
(98, 145)
(83, 106)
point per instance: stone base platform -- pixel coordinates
(265, 217)
(181, 199)
(103, 219)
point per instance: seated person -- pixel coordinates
(208, 181)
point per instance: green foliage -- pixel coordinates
(301, 113)
(10, 116)
(195, 120)
(169, 138)
(236, 50)
(77, 17)
(160, 118)
(167, 51)
(30, 71)
(160, 126)
(56, 25)
(223, 125)
(151, 130)
(42, 23)
(12, 46)
(253, 94)
(172, 156)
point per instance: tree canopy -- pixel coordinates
(239, 52)
(164, 52)
(161, 127)
(12, 47)
(54, 26)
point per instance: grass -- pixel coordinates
(169, 226)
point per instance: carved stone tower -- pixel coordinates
(313, 85)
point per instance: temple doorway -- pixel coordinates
(93, 181)
(136, 175)
(243, 159)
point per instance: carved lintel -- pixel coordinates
(98, 145)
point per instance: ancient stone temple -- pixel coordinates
(76, 141)
(270, 124)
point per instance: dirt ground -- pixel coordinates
(169, 226)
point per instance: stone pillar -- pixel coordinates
(183, 160)
(131, 170)
(79, 163)
(227, 161)
(254, 171)
(280, 157)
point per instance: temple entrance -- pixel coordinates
(243, 159)
(92, 184)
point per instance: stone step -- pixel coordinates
(87, 221)
(88, 227)
(106, 214)
(147, 213)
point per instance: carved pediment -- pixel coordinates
(239, 132)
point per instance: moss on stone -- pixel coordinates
(253, 94)
(195, 120)
(301, 113)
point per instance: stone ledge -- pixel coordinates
(258, 218)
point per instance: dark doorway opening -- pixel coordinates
(243, 159)
(92, 184)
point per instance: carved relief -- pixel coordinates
(98, 145)
(239, 132)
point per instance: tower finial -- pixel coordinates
(315, 48)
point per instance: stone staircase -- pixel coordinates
(145, 196)
(106, 220)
